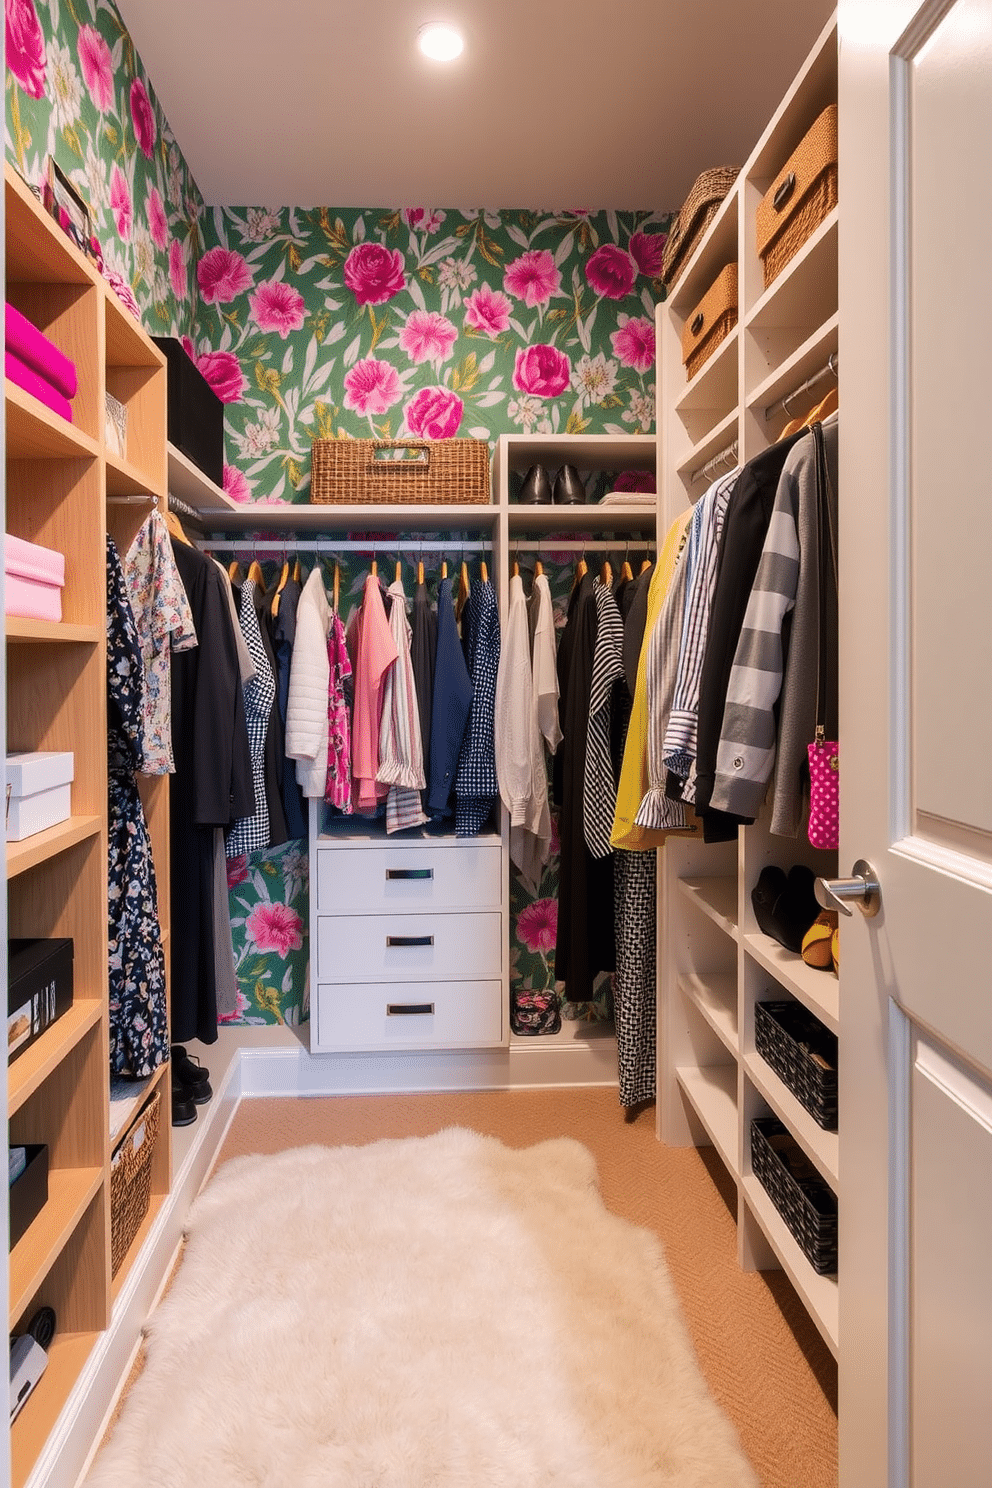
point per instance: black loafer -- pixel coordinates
(536, 488)
(183, 1110)
(190, 1071)
(568, 488)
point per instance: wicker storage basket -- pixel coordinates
(807, 1204)
(131, 1179)
(711, 321)
(695, 216)
(369, 472)
(803, 1053)
(800, 197)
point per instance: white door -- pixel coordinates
(915, 1269)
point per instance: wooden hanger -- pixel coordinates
(444, 568)
(297, 574)
(283, 581)
(463, 589)
(420, 571)
(606, 574)
(399, 571)
(516, 569)
(581, 569)
(337, 586)
(626, 572)
(374, 569)
(538, 568)
(483, 570)
(255, 573)
(176, 528)
(645, 565)
(234, 572)
(824, 409)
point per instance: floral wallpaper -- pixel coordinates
(421, 322)
(76, 91)
(269, 910)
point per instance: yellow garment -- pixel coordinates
(634, 770)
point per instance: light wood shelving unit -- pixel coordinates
(715, 962)
(64, 490)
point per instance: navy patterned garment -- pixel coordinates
(476, 786)
(139, 1022)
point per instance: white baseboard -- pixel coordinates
(275, 1062)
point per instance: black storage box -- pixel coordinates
(39, 989)
(196, 414)
(28, 1192)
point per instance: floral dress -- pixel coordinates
(165, 624)
(139, 1022)
(338, 789)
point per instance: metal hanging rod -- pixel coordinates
(139, 498)
(830, 370)
(182, 509)
(267, 547)
(574, 546)
(726, 457)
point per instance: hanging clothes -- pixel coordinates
(544, 661)
(657, 812)
(401, 758)
(449, 709)
(309, 679)
(520, 766)
(139, 1015)
(274, 759)
(373, 654)
(634, 612)
(337, 791)
(423, 651)
(250, 832)
(476, 786)
(164, 622)
(599, 790)
(281, 629)
(212, 786)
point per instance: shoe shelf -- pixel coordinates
(818, 1293)
(711, 1091)
(716, 897)
(714, 995)
(817, 990)
(574, 520)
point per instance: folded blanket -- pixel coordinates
(36, 385)
(38, 352)
(31, 561)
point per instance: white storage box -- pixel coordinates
(39, 791)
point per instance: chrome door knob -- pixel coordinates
(863, 889)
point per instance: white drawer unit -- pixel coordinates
(419, 878)
(397, 1015)
(416, 947)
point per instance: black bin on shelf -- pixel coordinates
(196, 414)
(29, 1191)
(807, 1204)
(803, 1053)
(39, 989)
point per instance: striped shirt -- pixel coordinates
(401, 755)
(599, 789)
(656, 810)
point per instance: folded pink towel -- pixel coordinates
(37, 386)
(30, 599)
(31, 561)
(38, 352)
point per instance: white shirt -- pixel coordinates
(309, 681)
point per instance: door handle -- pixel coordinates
(863, 889)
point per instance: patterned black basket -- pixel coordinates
(805, 1202)
(803, 1053)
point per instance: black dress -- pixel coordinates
(139, 1026)
(211, 788)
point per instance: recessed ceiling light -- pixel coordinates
(440, 42)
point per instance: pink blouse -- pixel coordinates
(375, 652)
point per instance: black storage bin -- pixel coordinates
(803, 1053)
(196, 414)
(28, 1192)
(807, 1204)
(39, 989)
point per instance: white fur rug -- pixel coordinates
(439, 1312)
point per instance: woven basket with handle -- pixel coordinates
(803, 193)
(387, 472)
(711, 322)
(131, 1179)
(695, 216)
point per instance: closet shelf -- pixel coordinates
(718, 248)
(817, 990)
(595, 519)
(716, 897)
(715, 996)
(818, 1293)
(804, 361)
(35, 432)
(715, 384)
(613, 452)
(21, 629)
(127, 344)
(125, 479)
(821, 1147)
(711, 1090)
(720, 437)
(805, 293)
(47, 1052)
(67, 1356)
(37, 251)
(70, 1190)
(48, 844)
(301, 517)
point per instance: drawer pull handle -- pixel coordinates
(784, 191)
(409, 940)
(405, 1009)
(409, 873)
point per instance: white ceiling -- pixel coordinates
(553, 104)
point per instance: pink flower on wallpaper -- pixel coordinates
(423, 219)
(222, 275)
(275, 927)
(143, 118)
(541, 370)
(223, 372)
(97, 67)
(157, 224)
(26, 58)
(647, 250)
(237, 870)
(633, 344)
(178, 277)
(488, 311)
(428, 336)
(236, 486)
(374, 273)
(635, 480)
(120, 202)
(533, 277)
(434, 413)
(611, 271)
(372, 386)
(537, 925)
(277, 307)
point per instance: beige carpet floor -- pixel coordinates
(764, 1360)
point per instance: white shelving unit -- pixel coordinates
(716, 963)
